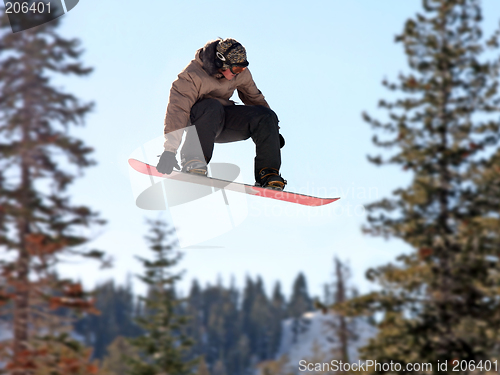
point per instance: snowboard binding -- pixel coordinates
(271, 179)
(195, 166)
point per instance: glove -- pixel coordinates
(282, 141)
(167, 163)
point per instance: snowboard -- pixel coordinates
(286, 196)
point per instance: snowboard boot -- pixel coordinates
(195, 166)
(271, 179)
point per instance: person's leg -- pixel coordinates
(259, 123)
(208, 117)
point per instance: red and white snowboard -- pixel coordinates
(286, 196)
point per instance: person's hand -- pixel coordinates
(167, 163)
(282, 141)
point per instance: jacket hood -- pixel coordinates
(206, 56)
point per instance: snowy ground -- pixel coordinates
(314, 338)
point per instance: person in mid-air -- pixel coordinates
(200, 97)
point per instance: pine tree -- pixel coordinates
(246, 304)
(280, 366)
(117, 313)
(116, 361)
(278, 312)
(239, 358)
(39, 159)
(216, 325)
(195, 325)
(344, 328)
(219, 368)
(261, 318)
(440, 302)
(278, 300)
(300, 303)
(163, 348)
(202, 367)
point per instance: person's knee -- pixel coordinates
(207, 107)
(267, 116)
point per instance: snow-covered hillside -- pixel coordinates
(314, 337)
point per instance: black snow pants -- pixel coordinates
(216, 123)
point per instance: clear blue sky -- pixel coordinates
(319, 64)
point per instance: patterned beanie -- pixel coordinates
(233, 52)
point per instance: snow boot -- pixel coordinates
(271, 179)
(195, 166)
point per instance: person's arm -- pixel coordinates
(248, 91)
(183, 95)
(251, 95)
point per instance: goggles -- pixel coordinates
(237, 69)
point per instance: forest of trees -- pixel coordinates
(231, 329)
(438, 303)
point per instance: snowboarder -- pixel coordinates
(200, 96)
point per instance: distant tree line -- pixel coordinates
(231, 329)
